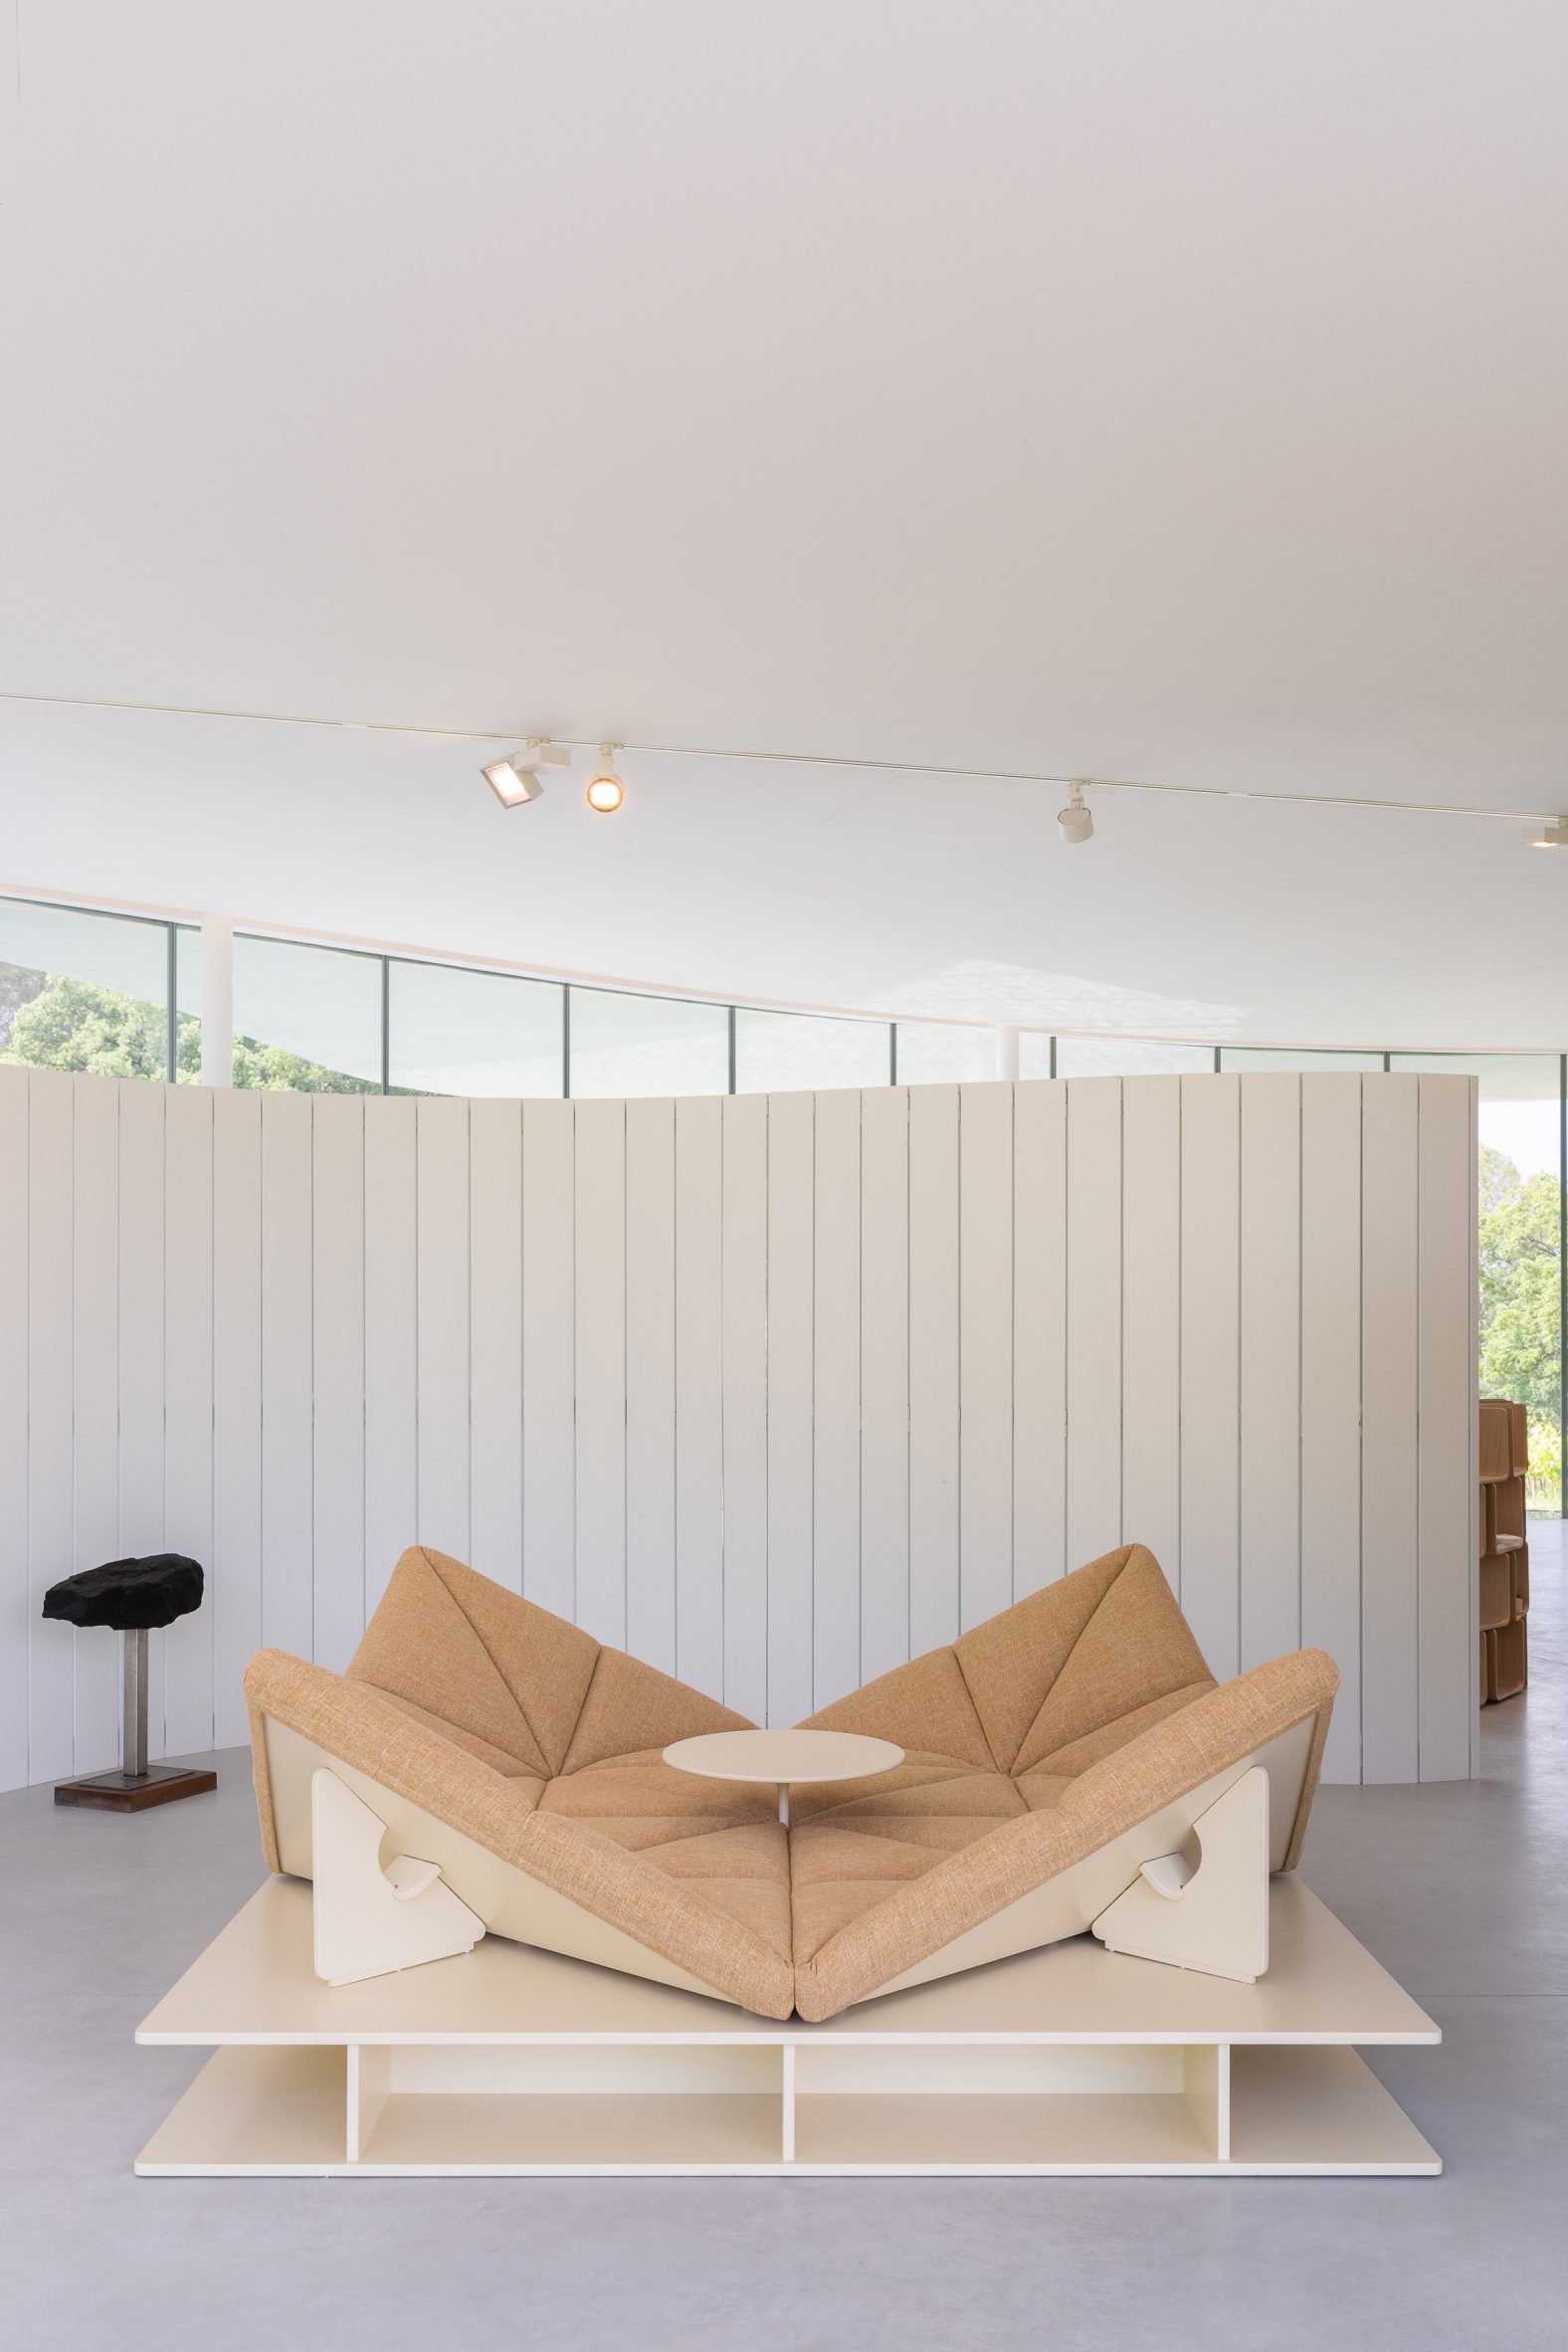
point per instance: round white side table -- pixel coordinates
(783, 1756)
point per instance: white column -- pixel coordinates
(217, 1000)
(1006, 1053)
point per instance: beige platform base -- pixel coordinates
(1071, 2059)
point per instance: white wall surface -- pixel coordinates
(774, 1391)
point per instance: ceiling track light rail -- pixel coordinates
(1552, 829)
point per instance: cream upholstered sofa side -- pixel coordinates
(442, 1630)
(1049, 1752)
(1174, 1757)
(371, 1733)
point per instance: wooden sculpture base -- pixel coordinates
(132, 1792)
(1071, 2059)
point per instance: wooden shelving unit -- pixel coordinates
(507, 2060)
(1504, 1568)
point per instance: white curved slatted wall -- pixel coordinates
(775, 1391)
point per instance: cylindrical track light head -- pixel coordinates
(605, 789)
(1075, 822)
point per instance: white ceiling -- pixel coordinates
(1132, 390)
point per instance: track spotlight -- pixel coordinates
(1552, 836)
(1074, 821)
(606, 790)
(516, 778)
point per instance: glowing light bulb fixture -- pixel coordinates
(605, 788)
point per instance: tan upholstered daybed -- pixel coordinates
(1047, 1754)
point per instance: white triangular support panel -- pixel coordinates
(1214, 1918)
(371, 1921)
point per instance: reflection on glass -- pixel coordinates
(776, 1053)
(82, 991)
(456, 1032)
(1520, 1186)
(1128, 1057)
(307, 1020)
(932, 1053)
(647, 1044)
(1293, 1057)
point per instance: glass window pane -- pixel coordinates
(647, 1044)
(1293, 1057)
(452, 1032)
(307, 1020)
(936, 1052)
(1521, 1195)
(1127, 1057)
(1034, 1054)
(187, 1000)
(83, 992)
(778, 1052)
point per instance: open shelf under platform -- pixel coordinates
(1071, 2059)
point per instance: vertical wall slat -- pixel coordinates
(1270, 1361)
(1331, 1396)
(745, 1404)
(51, 1715)
(391, 1340)
(549, 1373)
(933, 1367)
(836, 1388)
(15, 1589)
(1040, 1333)
(700, 1394)
(338, 1322)
(188, 1643)
(1093, 1507)
(495, 1339)
(1151, 1204)
(442, 1243)
(1390, 1194)
(884, 1380)
(236, 1404)
(95, 1386)
(1210, 1368)
(650, 1383)
(143, 1323)
(985, 1351)
(600, 1223)
(288, 1558)
(1445, 1610)
(790, 1299)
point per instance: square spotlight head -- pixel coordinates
(1552, 836)
(511, 782)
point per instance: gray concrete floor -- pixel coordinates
(1461, 1889)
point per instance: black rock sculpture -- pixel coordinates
(129, 1595)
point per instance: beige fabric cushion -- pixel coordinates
(849, 1844)
(1219, 1728)
(476, 1656)
(629, 1707)
(1019, 1708)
